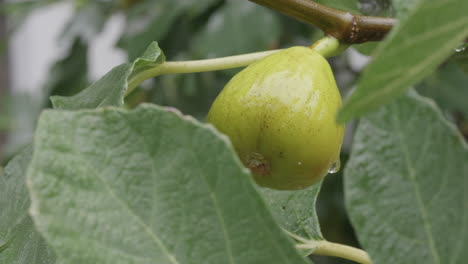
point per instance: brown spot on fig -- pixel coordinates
(257, 163)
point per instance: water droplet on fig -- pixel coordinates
(335, 167)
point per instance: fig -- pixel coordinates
(279, 114)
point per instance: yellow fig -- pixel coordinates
(279, 114)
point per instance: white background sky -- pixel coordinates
(34, 48)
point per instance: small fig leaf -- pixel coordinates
(295, 212)
(110, 90)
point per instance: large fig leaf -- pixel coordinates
(407, 185)
(147, 186)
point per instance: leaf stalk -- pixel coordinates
(326, 248)
(170, 67)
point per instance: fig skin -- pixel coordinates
(279, 114)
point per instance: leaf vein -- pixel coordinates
(412, 176)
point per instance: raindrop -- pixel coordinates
(461, 48)
(335, 167)
(299, 163)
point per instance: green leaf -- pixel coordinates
(295, 210)
(447, 87)
(229, 31)
(110, 90)
(20, 243)
(407, 185)
(69, 75)
(416, 46)
(147, 186)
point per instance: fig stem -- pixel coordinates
(327, 46)
(346, 27)
(216, 64)
(326, 248)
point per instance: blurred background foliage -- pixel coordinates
(189, 29)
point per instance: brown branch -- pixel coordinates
(348, 28)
